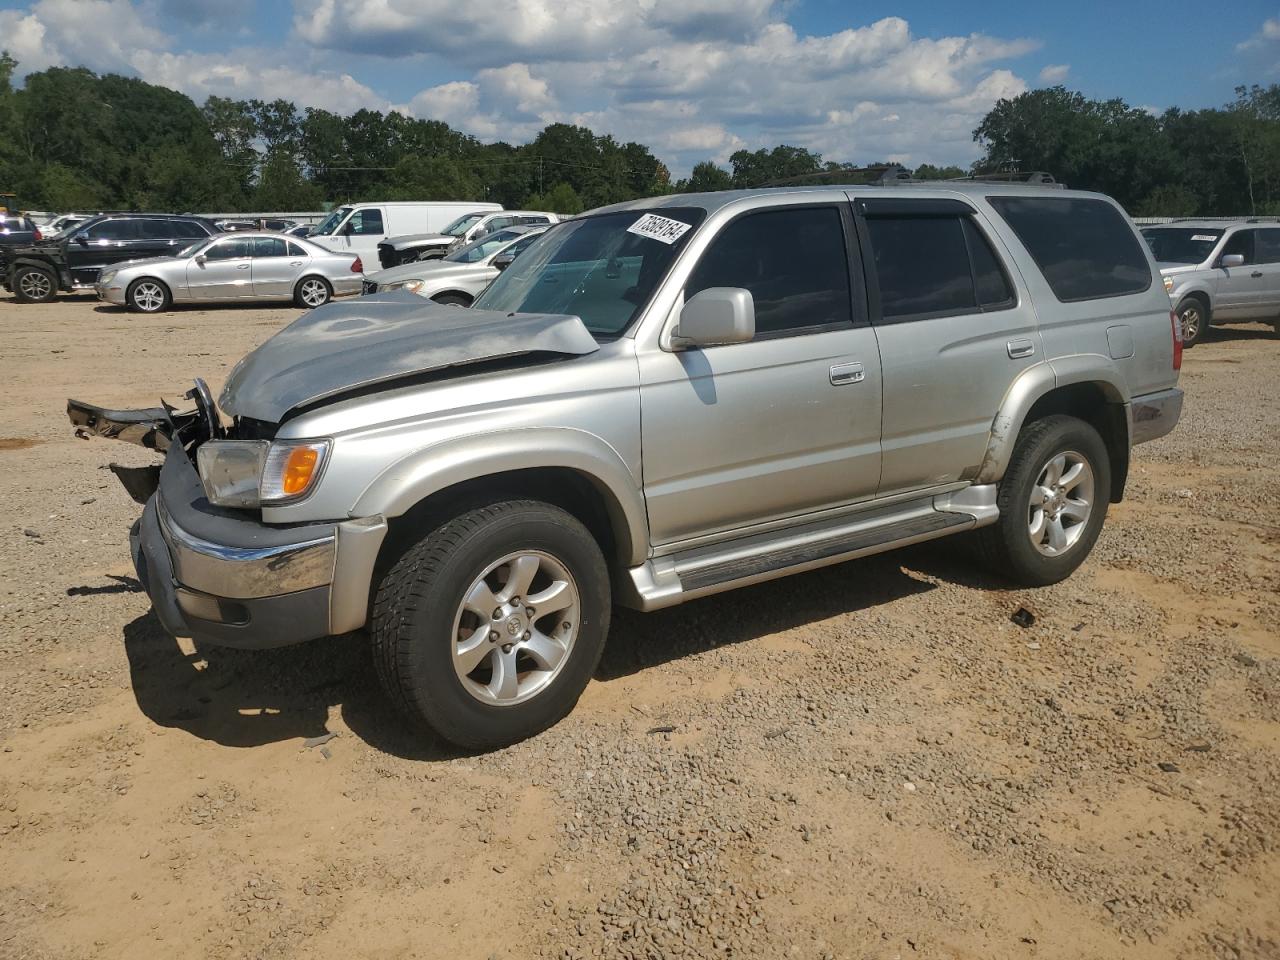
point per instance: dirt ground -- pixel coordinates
(869, 761)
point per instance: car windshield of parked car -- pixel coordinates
(1181, 244)
(602, 269)
(330, 223)
(462, 224)
(477, 250)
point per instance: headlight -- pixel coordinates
(254, 473)
(107, 277)
(412, 286)
(1168, 284)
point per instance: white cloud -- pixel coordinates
(1269, 34)
(1055, 73)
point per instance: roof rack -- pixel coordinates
(883, 174)
(1032, 178)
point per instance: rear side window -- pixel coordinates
(792, 260)
(1085, 248)
(295, 250)
(934, 266)
(187, 229)
(1267, 246)
(269, 247)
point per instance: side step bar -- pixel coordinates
(666, 581)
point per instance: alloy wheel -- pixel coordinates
(1190, 317)
(35, 285)
(515, 628)
(1061, 503)
(148, 296)
(314, 293)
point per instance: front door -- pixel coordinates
(953, 332)
(361, 234)
(1239, 288)
(781, 426)
(223, 272)
(99, 246)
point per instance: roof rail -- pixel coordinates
(878, 175)
(1032, 178)
(1263, 220)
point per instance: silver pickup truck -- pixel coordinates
(657, 401)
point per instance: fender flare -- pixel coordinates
(1179, 295)
(432, 469)
(59, 273)
(1030, 386)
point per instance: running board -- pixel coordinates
(666, 581)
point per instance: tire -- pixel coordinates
(34, 285)
(1011, 546)
(148, 295)
(1194, 317)
(312, 292)
(429, 640)
(452, 299)
(427, 255)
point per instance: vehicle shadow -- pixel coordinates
(248, 698)
(1250, 331)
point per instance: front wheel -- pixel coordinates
(33, 285)
(312, 292)
(1194, 319)
(147, 296)
(1053, 500)
(489, 628)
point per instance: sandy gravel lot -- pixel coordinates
(869, 761)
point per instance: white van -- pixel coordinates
(359, 227)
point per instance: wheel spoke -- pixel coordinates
(1077, 510)
(1039, 495)
(472, 651)
(1057, 535)
(1037, 526)
(1053, 470)
(481, 601)
(558, 596)
(546, 651)
(1072, 477)
(505, 683)
(519, 577)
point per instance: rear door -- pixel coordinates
(275, 268)
(1267, 253)
(224, 272)
(954, 331)
(156, 238)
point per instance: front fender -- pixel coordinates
(1032, 384)
(440, 466)
(60, 271)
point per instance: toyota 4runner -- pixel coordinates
(657, 401)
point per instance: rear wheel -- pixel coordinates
(1053, 500)
(489, 628)
(1194, 317)
(34, 285)
(312, 292)
(147, 295)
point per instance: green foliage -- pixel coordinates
(768, 166)
(927, 171)
(561, 198)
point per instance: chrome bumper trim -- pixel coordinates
(1153, 415)
(246, 572)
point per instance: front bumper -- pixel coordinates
(112, 293)
(220, 577)
(1152, 415)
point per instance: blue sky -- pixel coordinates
(694, 79)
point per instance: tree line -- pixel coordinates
(73, 140)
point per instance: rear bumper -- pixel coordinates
(1153, 415)
(220, 577)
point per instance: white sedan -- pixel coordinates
(240, 266)
(459, 277)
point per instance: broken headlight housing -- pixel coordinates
(256, 473)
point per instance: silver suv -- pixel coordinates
(658, 401)
(1219, 272)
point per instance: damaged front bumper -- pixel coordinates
(221, 576)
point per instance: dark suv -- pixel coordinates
(35, 272)
(17, 230)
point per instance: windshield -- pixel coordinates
(330, 223)
(601, 269)
(1181, 244)
(192, 249)
(479, 249)
(461, 225)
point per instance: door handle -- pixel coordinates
(1018, 349)
(296, 263)
(1256, 274)
(242, 266)
(842, 373)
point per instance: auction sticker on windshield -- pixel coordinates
(1203, 236)
(658, 228)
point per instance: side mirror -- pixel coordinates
(1232, 260)
(348, 228)
(717, 315)
(201, 259)
(82, 239)
(503, 260)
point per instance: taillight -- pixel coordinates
(37, 234)
(1176, 325)
(357, 267)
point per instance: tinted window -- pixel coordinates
(269, 247)
(157, 230)
(923, 265)
(1267, 246)
(1241, 242)
(793, 262)
(295, 250)
(527, 220)
(1084, 248)
(516, 248)
(230, 249)
(1181, 244)
(367, 221)
(988, 276)
(114, 230)
(188, 229)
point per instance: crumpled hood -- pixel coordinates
(420, 239)
(424, 270)
(381, 338)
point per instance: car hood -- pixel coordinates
(425, 270)
(342, 347)
(420, 239)
(1169, 269)
(142, 262)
